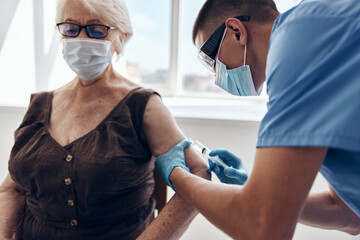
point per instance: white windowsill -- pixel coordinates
(247, 109)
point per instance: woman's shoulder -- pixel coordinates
(138, 95)
(39, 97)
(38, 109)
(142, 92)
(133, 89)
(39, 100)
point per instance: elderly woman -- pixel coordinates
(81, 166)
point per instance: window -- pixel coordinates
(160, 55)
(196, 79)
(147, 53)
(16, 59)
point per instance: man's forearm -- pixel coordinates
(327, 211)
(172, 222)
(215, 201)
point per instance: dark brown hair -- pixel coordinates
(215, 12)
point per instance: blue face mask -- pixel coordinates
(237, 81)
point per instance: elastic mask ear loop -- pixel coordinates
(245, 55)
(222, 39)
(218, 51)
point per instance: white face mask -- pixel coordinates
(237, 81)
(88, 58)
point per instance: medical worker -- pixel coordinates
(310, 59)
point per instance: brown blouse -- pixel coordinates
(99, 186)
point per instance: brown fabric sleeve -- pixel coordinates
(137, 103)
(36, 111)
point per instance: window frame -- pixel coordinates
(45, 55)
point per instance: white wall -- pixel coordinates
(237, 136)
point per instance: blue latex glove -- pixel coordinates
(235, 175)
(165, 163)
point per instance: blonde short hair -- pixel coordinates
(112, 11)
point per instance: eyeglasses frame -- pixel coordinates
(209, 49)
(86, 29)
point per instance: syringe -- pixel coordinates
(204, 150)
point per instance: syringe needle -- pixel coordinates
(205, 151)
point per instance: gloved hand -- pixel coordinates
(235, 175)
(165, 163)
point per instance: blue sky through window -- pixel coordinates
(150, 45)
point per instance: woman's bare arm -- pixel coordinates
(162, 134)
(12, 200)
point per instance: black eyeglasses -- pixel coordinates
(92, 30)
(209, 49)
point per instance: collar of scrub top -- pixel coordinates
(209, 49)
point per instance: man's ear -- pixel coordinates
(237, 29)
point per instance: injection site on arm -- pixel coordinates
(205, 151)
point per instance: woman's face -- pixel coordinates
(75, 12)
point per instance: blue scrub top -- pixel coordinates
(313, 83)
